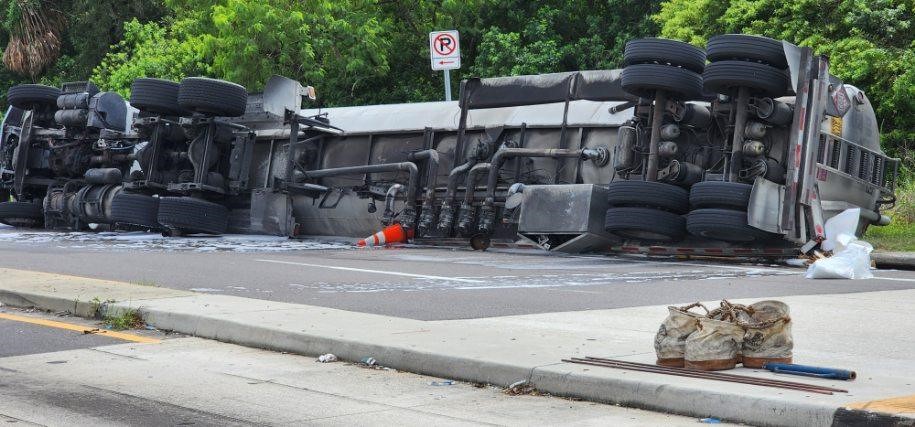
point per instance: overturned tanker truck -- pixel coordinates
(746, 147)
(750, 145)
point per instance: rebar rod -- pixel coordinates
(709, 373)
(634, 366)
(698, 375)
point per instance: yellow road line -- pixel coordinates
(79, 328)
(896, 405)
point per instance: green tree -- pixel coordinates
(869, 43)
(248, 40)
(550, 36)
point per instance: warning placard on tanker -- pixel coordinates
(445, 50)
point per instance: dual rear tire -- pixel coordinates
(209, 97)
(719, 212)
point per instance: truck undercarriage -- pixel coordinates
(750, 143)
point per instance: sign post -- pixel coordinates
(445, 53)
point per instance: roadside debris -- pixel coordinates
(368, 361)
(441, 383)
(846, 257)
(852, 261)
(710, 420)
(327, 358)
(811, 371)
(518, 388)
(690, 373)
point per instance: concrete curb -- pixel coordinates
(557, 379)
(900, 260)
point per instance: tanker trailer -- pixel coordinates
(63, 155)
(424, 165)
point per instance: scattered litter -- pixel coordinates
(518, 388)
(843, 223)
(710, 420)
(327, 358)
(441, 383)
(369, 361)
(851, 260)
(90, 331)
(151, 328)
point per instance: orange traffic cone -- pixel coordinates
(391, 234)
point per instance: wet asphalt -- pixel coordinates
(418, 283)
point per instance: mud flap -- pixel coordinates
(765, 208)
(271, 213)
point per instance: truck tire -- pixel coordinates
(212, 97)
(191, 215)
(663, 51)
(31, 96)
(656, 195)
(720, 195)
(135, 209)
(644, 80)
(21, 214)
(745, 47)
(156, 96)
(726, 76)
(726, 225)
(645, 224)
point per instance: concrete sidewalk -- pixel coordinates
(866, 332)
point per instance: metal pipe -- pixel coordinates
(657, 118)
(446, 216)
(717, 374)
(431, 157)
(740, 124)
(409, 210)
(811, 371)
(643, 367)
(453, 177)
(389, 198)
(506, 153)
(466, 214)
(471, 181)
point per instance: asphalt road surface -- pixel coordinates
(419, 283)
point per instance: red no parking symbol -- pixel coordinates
(444, 44)
(445, 50)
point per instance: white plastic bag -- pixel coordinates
(843, 223)
(852, 260)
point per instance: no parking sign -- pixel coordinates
(445, 50)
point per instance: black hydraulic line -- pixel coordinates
(431, 157)
(454, 177)
(467, 211)
(472, 178)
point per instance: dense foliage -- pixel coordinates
(376, 51)
(869, 43)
